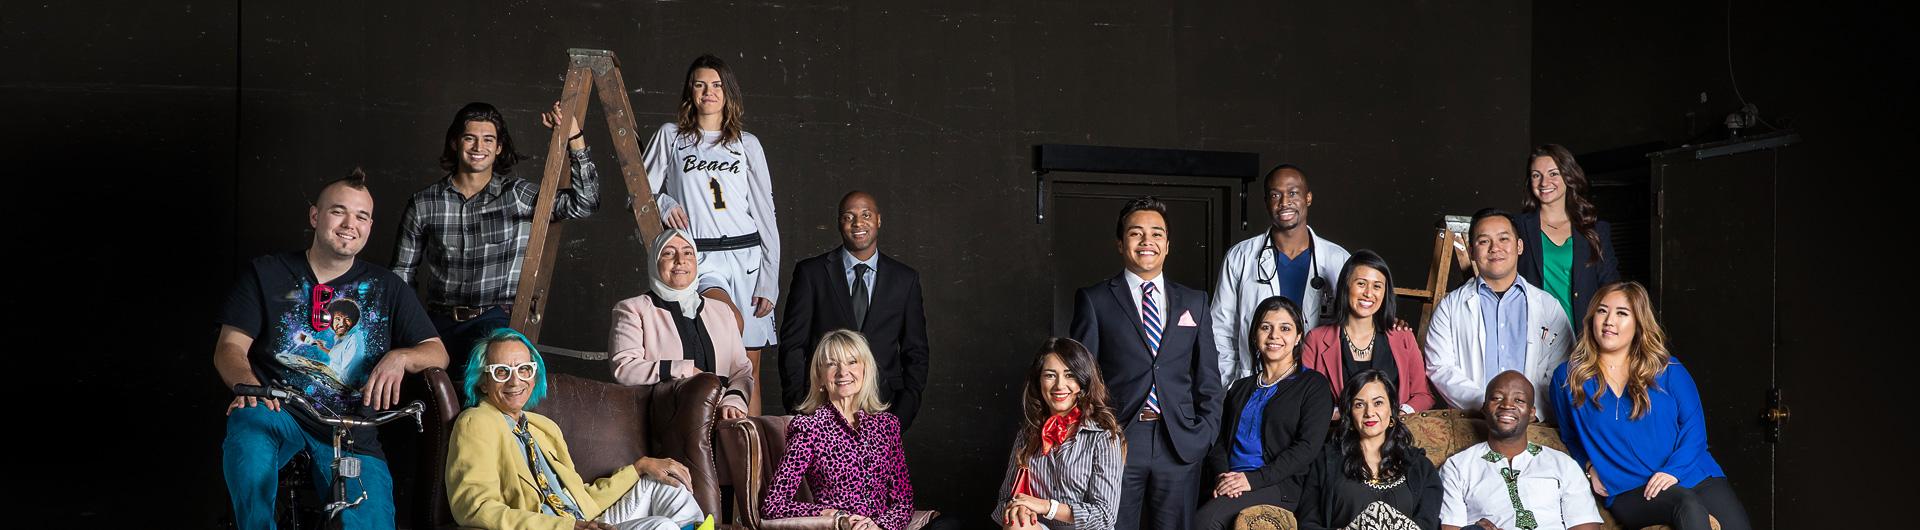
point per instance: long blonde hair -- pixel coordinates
(1647, 354)
(844, 346)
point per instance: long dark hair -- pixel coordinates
(477, 111)
(1384, 318)
(1396, 453)
(1271, 304)
(1092, 402)
(1580, 210)
(688, 120)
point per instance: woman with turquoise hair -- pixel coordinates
(509, 468)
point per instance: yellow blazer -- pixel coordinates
(490, 486)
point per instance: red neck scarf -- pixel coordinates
(1054, 432)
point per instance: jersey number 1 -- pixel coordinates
(719, 197)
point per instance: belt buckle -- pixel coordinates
(1148, 415)
(463, 313)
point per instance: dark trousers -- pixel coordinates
(1157, 492)
(459, 338)
(1219, 512)
(1682, 508)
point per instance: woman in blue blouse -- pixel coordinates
(1275, 424)
(1632, 416)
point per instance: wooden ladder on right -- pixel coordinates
(1438, 273)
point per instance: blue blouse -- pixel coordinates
(1671, 438)
(1247, 454)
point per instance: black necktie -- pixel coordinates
(860, 293)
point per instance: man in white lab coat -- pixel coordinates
(1303, 270)
(1495, 322)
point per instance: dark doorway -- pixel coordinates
(1081, 219)
(1714, 265)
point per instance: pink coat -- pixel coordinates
(1322, 353)
(643, 336)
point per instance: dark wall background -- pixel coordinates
(933, 109)
(1608, 75)
(175, 140)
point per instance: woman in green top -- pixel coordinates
(1569, 250)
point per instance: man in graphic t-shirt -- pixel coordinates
(340, 330)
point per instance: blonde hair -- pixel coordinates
(843, 346)
(1647, 354)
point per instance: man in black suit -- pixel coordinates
(1154, 341)
(884, 305)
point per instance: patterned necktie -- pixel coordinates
(538, 465)
(860, 293)
(1150, 319)
(1523, 517)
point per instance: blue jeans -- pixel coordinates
(260, 441)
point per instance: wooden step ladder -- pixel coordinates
(586, 70)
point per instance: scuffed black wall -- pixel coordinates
(1608, 75)
(1398, 113)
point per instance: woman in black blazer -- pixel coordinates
(1274, 423)
(1557, 210)
(1371, 475)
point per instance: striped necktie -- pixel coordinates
(1150, 318)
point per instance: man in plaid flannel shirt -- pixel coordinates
(464, 236)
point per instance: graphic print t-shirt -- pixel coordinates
(323, 341)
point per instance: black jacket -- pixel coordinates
(1186, 371)
(1293, 429)
(1587, 277)
(1320, 511)
(819, 300)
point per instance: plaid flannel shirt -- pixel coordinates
(471, 248)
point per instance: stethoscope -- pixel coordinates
(1267, 275)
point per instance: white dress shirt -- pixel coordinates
(1551, 485)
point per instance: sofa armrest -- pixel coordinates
(433, 387)
(800, 523)
(680, 416)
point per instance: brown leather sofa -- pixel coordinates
(609, 425)
(418, 455)
(750, 452)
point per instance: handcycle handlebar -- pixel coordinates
(303, 404)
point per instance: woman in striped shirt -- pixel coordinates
(1068, 459)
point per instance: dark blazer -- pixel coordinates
(1293, 427)
(1319, 510)
(1186, 370)
(1587, 277)
(819, 300)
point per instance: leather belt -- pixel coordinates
(461, 313)
(727, 243)
(1147, 414)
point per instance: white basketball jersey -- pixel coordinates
(725, 190)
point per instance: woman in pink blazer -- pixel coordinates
(1365, 337)
(672, 332)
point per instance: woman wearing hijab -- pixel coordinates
(672, 332)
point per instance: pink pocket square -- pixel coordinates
(1186, 319)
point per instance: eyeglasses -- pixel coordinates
(524, 371)
(319, 319)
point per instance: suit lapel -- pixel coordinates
(1170, 315)
(1124, 295)
(842, 291)
(884, 285)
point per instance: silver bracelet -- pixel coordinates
(1052, 507)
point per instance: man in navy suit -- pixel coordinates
(884, 304)
(1154, 341)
